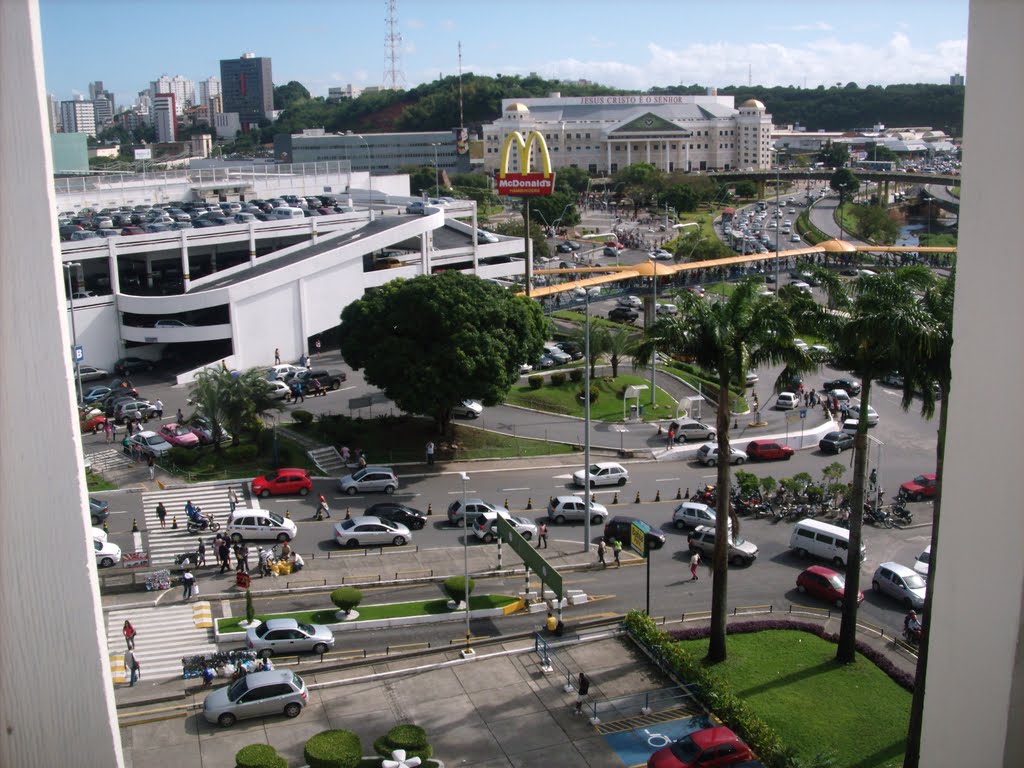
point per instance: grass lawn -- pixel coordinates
(96, 483)
(580, 319)
(370, 612)
(608, 406)
(791, 680)
(722, 288)
(246, 459)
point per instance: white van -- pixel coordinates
(246, 524)
(829, 542)
(287, 213)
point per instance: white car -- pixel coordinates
(795, 237)
(283, 371)
(361, 531)
(601, 473)
(922, 561)
(787, 401)
(486, 529)
(563, 508)
(630, 301)
(801, 286)
(279, 390)
(820, 351)
(150, 443)
(90, 372)
(170, 324)
(854, 412)
(245, 524)
(107, 553)
(468, 409)
(801, 345)
(707, 454)
(667, 309)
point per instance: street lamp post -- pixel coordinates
(74, 335)
(777, 184)
(369, 169)
(437, 172)
(465, 553)
(586, 420)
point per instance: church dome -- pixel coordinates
(517, 107)
(752, 104)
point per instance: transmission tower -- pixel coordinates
(393, 77)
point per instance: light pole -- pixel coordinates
(777, 184)
(465, 552)
(74, 336)
(369, 169)
(586, 420)
(437, 172)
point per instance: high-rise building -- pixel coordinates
(210, 95)
(97, 91)
(184, 90)
(53, 113)
(956, 79)
(78, 116)
(103, 109)
(247, 88)
(165, 117)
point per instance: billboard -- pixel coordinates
(525, 182)
(143, 154)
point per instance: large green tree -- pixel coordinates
(731, 337)
(834, 155)
(232, 400)
(556, 209)
(570, 179)
(845, 182)
(435, 340)
(879, 323)
(874, 225)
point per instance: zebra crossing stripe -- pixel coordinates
(165, 544)
(166, 634)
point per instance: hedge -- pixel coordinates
(536, 382)
(346, 598)
(576, 375)
(557, 379)
(455, 588)
(259, 756)
(411, 738)
(305, 418)
(333, 749)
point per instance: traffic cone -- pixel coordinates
(348, 514)
(288, 514)
(106, 528)
(430, 510)
(615, 499)
(687, 491)
(174, 523)
(161, 484)
(506, 504)
(529, 503)
(657, 495)
(135, 525)
(637, 499)
(679, 494)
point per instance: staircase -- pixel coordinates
(327, 459)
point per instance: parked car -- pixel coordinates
(369, 480)
(107, 553)
(787, 401)
(283, 372)
(835, 442)
(98, 510)
(901, 583)
(135, 410)
(707, 748)
(288, 637)
(150, 443)
(562, 509)
(854, 411)
(329, 379)
(825, 584)
(568, 246)
(279, 390)
(741, 551)
(91, 420)
(707, 455)
(690, 514)
(95, 394)
(623, 314)
(471, 508)
(179, 435)
(850, 385)
(128, 365)
(392, 511)
(693, 430)
(203, 429)
(374, 531)
(922, 561)
(769, 450)
(90, 372)
(257, 694)
(282, 481)
(921, 487)
(601, 473)
(618, 528)
(467, 409)
(245, 524)
(170, 323)
(485, 526)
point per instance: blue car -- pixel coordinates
(95, 394)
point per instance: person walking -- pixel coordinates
(243, 558)
(129, 634)
(179, 417)
(224, 553)
(542, 536)
(299, 396)
(322, 509)
(158, 408)
(430, 452)
(201, 553)
(617, 552)
(601, 549)
(277, 356)
(232, 499)
(151, 463)
(161, 514)
(582, 689)
(106, 430)
(694, 562)
(132, 667)
(188, 582)
(316, 345)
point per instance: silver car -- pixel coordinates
(288, 637)
(563, 508)
(369, 479)
(258, 694)
(359, 531)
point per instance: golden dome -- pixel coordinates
(837, 246)
(517, 107)
(753, 104)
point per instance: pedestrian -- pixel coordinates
(179, 417)
(224, 553)
(362, 459)
(694, 562)
(430, 452)
(129, 634)
(317, 345)
(188, 582)
(106, 430)
(345, 453)
(151, 463)
(286, 549)
(243, 558)
(601, 549)
(158, 408)
(201, 553)
(277, 356)
(132, 667)
(542, 536)
(299, 397)
(161, 514)
(617, 552)
(113, 430)
(297, 562)
(582, 689)
(321, 508)
(232, 499)
(671, 436)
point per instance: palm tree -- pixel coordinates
(873, 323)
(233, 400)
(920, 375)
(599, 339)
(618, 343)
(730, 336)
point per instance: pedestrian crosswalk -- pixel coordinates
(165, 544)
(102, 460)
(165, 635)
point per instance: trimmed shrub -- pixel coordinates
(594, 392)
(259, 756)
(304, 418)
(333, 749)
(557, 379)
(184, 457)
(455, 588)
(346, 598)
(576, 375)
(246, 452)
(411, 738)
(536, 382)
(250, 609)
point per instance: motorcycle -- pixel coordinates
(878, 518)
(706, 495)
(901, 514)
(202, 523)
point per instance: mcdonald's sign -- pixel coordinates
(525, 183)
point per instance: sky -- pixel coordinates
(624, 45)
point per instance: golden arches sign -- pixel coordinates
(525, 182)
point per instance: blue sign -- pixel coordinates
(78, 353)
(803, 413)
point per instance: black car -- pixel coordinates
(132, 365)
(414, 519)
(851, 386)
(623, 314)
(328, 379)
(571, 348)
(568, 246)
(835, 442)
(618, 527)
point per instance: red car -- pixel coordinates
(921, 487)
(282, 481)
(710, 748)
(92, 422)
(767, 450)
(829, 585)
(179, 435)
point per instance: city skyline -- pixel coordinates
(793, 42)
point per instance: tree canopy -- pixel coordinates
(435, 340)
(845, 183)
(834, 155)
(557, 207)
(233, 400)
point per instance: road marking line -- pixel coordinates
(515, 489)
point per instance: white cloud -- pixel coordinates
(817, 26)
(413, 23)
